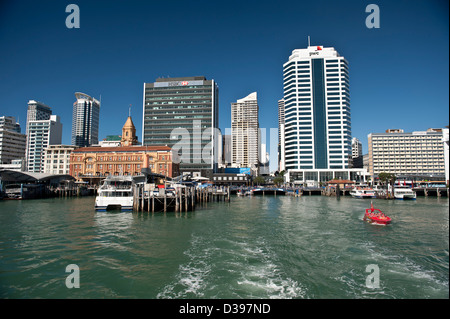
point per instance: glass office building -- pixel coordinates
(182, 114)
(85, 120)
(317, 117)
(317, 109)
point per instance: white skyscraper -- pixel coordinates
(317, 114)
(244, 132)
(85, 120)
(41, 134)
(317, 109)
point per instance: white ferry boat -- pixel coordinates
(404, 193)
(116, 192)
(359, 192)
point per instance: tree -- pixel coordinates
(259, 180)
(278, 180)
(387, 178)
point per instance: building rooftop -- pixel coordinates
(94, 149)
(188, 78)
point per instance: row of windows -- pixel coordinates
(178, 102)
(185, 87)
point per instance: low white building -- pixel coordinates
(57, 159)
(419, 153)
(316, 177)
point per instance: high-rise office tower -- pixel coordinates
(41, 134)
(85, 120)
(37, 111)
(12, 141)
(244, 132)
(182, 113)
(317, 109)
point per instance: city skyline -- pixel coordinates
(396, 71)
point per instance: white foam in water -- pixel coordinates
(190, 279)
(265, 279)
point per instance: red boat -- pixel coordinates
(374, 215)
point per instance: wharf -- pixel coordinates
(177, 199)
(431, 191)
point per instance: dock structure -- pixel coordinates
(180, 199)
(335, 191)
(431, 191)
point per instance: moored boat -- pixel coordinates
(359, 192)
(376, 216)
(116, 192)
(404, 193)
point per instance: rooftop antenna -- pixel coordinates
(129, 111)
(309, 42)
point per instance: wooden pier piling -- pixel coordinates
(183, 199)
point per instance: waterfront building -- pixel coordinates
(12, 141)
(183, 113)
(95, 163)
(57, 159)
(41, 134)
(244, 132)
(445, 138)
(231, 179)
(419, 154)
(85, 120)
(317, 114)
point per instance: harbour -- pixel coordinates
(249, 247)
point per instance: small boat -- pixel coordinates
(376, 216)
(404, 193)
(244, 193)
(359, 192)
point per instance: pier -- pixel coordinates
(146, 198)
(431, 191)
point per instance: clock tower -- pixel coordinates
(128, 133)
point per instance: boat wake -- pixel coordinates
(230, 269)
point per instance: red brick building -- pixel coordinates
(98, 162)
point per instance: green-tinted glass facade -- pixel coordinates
(187, 104)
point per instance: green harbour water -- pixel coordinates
(313, 247)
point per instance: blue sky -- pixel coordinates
(399, 73)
